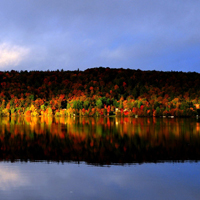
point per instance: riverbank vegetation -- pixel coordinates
(100, 92)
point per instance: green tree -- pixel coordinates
(86, 104)
(99, 103)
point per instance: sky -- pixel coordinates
(79, 34)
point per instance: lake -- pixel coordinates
(99, 158)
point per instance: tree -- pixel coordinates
(99, 104)
(86, 104)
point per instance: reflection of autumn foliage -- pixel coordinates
(99, 140)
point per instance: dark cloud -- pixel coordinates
(161, 35)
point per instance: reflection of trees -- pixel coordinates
(99, 140)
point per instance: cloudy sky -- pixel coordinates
(71, 34)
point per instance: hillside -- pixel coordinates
(99, 91)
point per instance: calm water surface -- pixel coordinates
(99, 158)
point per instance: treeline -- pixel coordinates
(100, 91)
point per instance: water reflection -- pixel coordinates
(11, 178)
(71, 181)
(99, 140)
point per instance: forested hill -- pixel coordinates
(109, 85)
(113, 83)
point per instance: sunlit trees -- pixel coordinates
(134, 91)
(99, 104)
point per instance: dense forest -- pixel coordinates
(100, 91)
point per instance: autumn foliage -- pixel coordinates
(99, 92)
